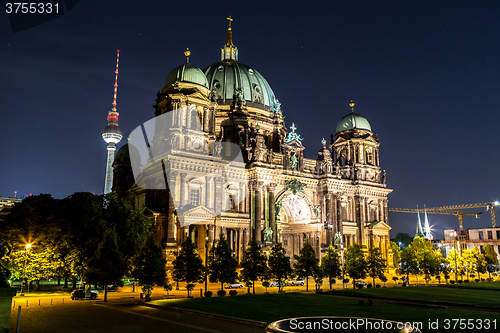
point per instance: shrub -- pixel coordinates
(489, 280)
(452, 281)
(377, 286)
(369, 285)
(359, 286)
(221, 292)
(476, 280)
(208, 293)
(466, 281)
(460, 281)
(233, 292)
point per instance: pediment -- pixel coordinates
(379, 225)
(194, 214)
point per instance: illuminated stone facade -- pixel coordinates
(277, 195)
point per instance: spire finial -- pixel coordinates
(352, 106)
(229, 50)
(187, 53)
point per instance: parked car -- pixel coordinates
(234, 285)
(361, 283)
(296, 283)
(81, 294)
(276, 284)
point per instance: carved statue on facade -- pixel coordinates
(293, 162)
(317, 210)
(268, 235)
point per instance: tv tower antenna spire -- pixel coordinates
(112, 134)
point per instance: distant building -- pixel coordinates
(472, 238)
(6, 205)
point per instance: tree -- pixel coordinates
(149, 266)
(330, 265)
(453, 259)
(188, 265)
(396, 254)
(491, 259)
(427, 256)
(403, 238)
(479, 261)
(253, 264)
(107, 266)
(469, 262)
(408, 264)
(221, 264)
(306, 263)
(32, 221)
(355, 263)
(279, 265)
(376, 264)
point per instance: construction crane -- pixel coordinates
(489, 206)
(439, 210)
(457, 211)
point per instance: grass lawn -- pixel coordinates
(481, 298)
(273, 307)
(483, 285)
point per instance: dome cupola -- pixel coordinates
(353, 121)
(187, 73)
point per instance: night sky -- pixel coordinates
(426, 75)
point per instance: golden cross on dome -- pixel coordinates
(352, 105)
(230, 20)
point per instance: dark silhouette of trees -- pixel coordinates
(149, 267)
(221, 264)
(107, 266)
(306, 263)
(253, 264)
(279, 265)
(331, 266)
(188, 266)
(355, 263)
(376, 264)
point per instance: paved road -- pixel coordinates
(96, 316)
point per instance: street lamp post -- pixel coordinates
(206, 262)
(23, 283)
(177, 280)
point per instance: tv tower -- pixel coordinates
(112, 135)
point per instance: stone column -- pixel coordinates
(208, 191)
(219, 195)
(272, 212)
(183, 186)
(258, 211)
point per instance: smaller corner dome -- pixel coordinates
(187, 73)
(353, 121)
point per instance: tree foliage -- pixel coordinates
(188, 266)
(306, 263)
(279, 265)
(253, 264)
(149, 266)
(221, 264)
(376, 264)
(355, 263)
(106, 267)
(331, 266)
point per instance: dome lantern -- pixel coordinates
(229, 51)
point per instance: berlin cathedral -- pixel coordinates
(273, 193)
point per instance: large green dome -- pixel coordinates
(227, 77)
(187, 73)
(352, 121)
